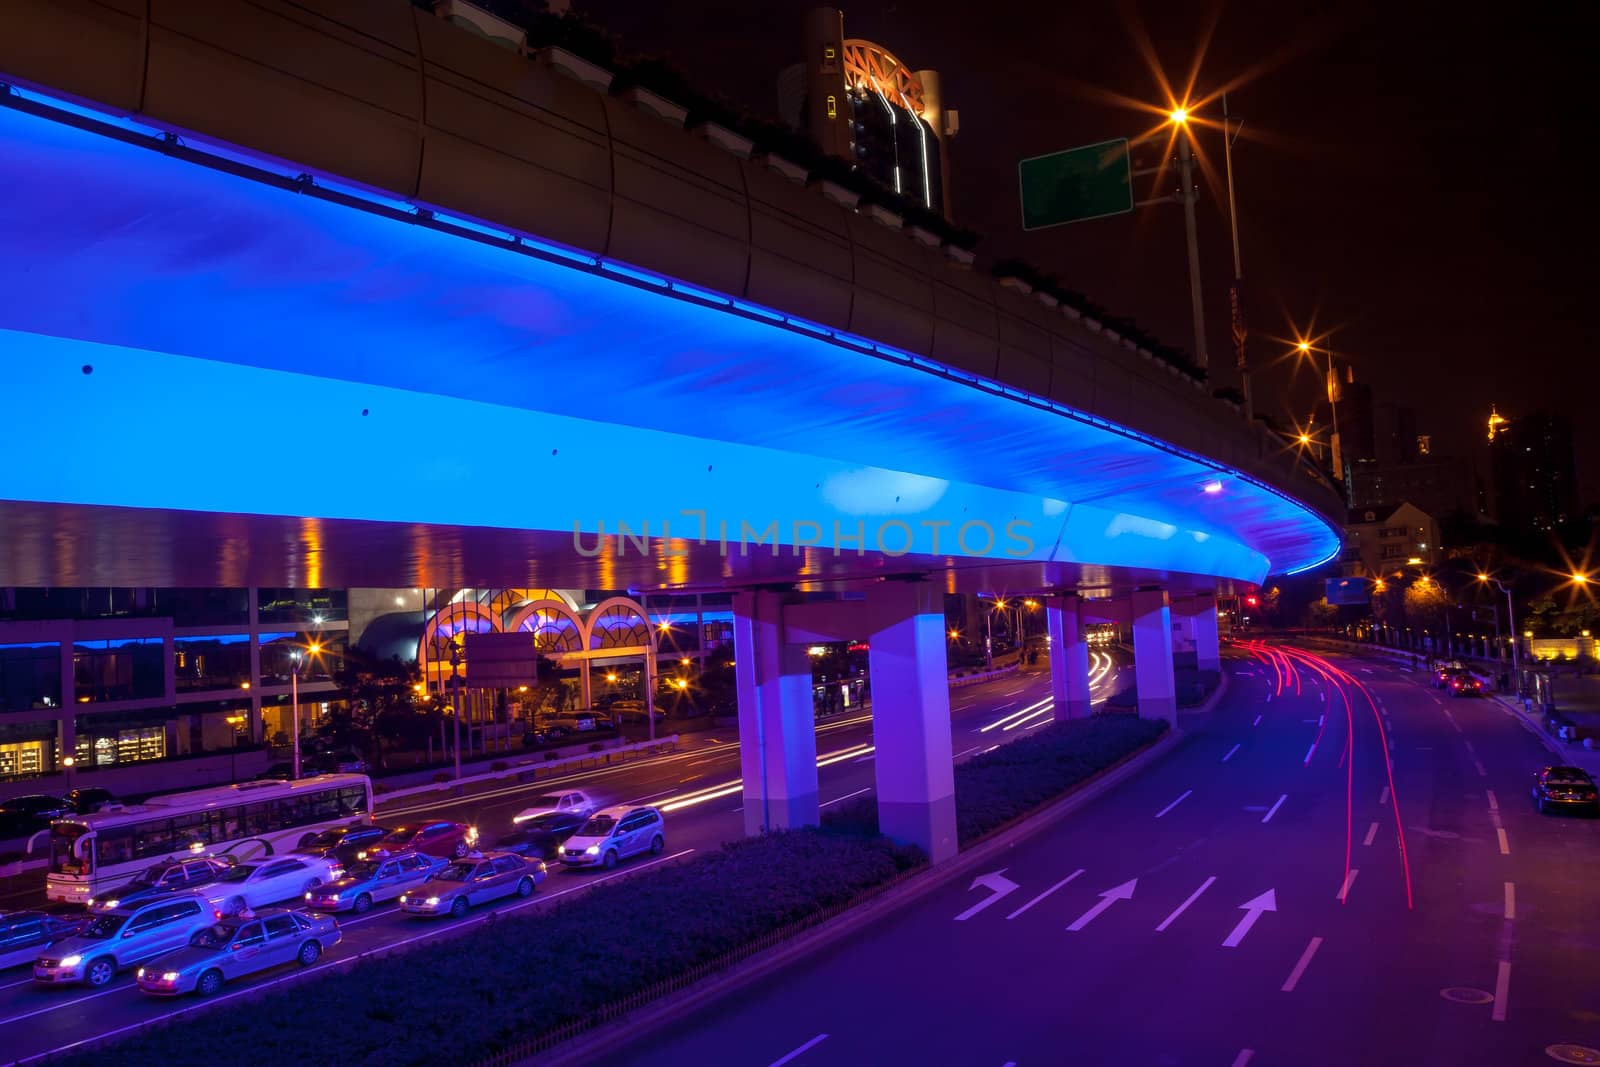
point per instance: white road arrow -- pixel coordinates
(1108, 898)
(1267, 901)
(998, 885)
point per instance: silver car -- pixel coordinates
(120, 937)
(478, 878)
(369, 882)
(234, 947)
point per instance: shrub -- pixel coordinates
(1000, 786)
(461, 999)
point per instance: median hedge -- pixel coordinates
(1007, 783)
(459, 999)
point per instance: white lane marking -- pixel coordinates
(813, 1043)
(1184, 906)
(1274, 809)
(1247, 1054)
(1366, 670)
(1349, 880)
(1300, 967)
(1046, 893)
(974, 748)
(388, 946)
(1505, 846)
(1479, 765)
(1316, 721)
(1229, 756)
(1383, 798)
(1175, 803)
(1257, 722)
(1511, 900)
(1494, 802)
(1312, 751)
(1108, 898)
(1372, 831)
(1502, 986)
(1469, 747)
(847, 796)
(1253, 910)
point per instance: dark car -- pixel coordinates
(541, 836)
(183, 872)
(345, 843)
(88, 801)
(21, 816)
(1564, 788)
(543, 736)
(447, 839)
(1465, 684)
(24, 933)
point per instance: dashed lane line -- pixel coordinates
(1175, 803)
(808, 1046)
(1274, 809)
(1300, 967)
(1372, 831)
(1502, 987)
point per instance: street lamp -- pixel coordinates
(1511, 625)
(455, 697)
(1180, 119)
(295, 659)
(1305, 348)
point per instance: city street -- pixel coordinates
(697, 788)
(1258, 897)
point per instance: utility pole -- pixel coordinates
(455, 697)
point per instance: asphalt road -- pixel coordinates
(697, 786)
(1308, 879)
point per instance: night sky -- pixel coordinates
(1409, 176)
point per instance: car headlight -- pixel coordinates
(592, 850)
(433, 901)
(404, 898)
(170, 976)
(139, 973)
(308, 896)
(361, 855)
(71, 961)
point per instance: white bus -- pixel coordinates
(92, 853)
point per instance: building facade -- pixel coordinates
(1380, 541)
(1533, 471)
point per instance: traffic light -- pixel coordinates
(1252, 601)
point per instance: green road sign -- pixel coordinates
(1077, 184)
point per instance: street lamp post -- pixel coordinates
(1332, 387)
(455, 697)
(294, 700)
(1229, 133)
(1180, 118)
(1511, 627)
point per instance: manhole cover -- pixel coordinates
(1573, 1053)
(1462, 995)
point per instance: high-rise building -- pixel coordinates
(1533, 471)
(858, 101)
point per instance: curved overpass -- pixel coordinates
(649, 327)
(322, 294)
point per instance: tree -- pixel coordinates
(1320, 615)
(1425, 604)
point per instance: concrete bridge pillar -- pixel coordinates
(1152, 655)
(1069, 657)
(1202, 613)
(777, 726)
(911, 716)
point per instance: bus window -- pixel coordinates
(63, 835)
(352, 801)
(190, 830)
(113, 846)
(153, 838)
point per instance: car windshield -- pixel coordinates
(103, 926)
(543, 802)
(216, 936)
(455, 872)
(599, 826)
(400, 835)
(236, 874)
(327, 839)
(361, 870)
(147, 877)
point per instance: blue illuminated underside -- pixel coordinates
(220, 313)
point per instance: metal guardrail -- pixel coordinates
(531, 768)
(985, 676)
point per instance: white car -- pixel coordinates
(575, 802)
(615, 834)
(247, 886)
